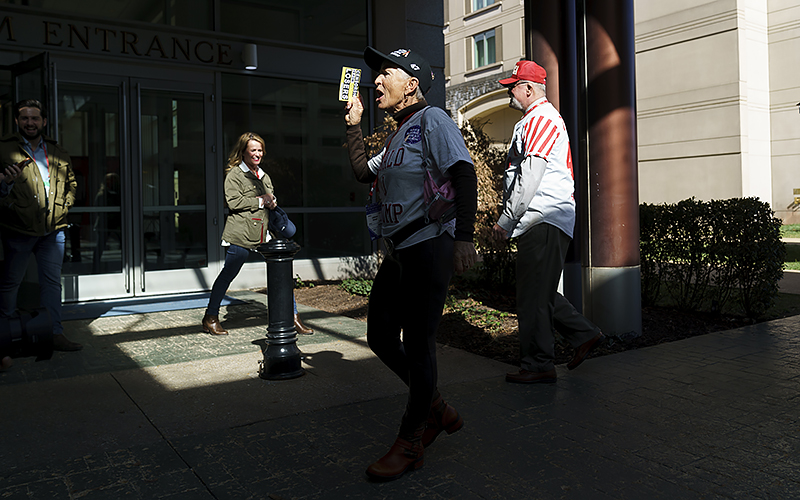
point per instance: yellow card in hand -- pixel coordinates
(348, 85)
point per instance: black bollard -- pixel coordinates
(281, 356)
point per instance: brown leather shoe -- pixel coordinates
(442, 417)
(528, 377)
(62, 343)
(584, 349)
(403, 456)
(300, 327)
(212, 325)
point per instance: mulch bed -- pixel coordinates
(464, 322)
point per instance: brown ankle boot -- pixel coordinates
(212, 325)
(300, 327)
(405, 454)
(442, 417)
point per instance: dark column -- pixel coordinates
(550, 41)
(612, 274)
(587, 48)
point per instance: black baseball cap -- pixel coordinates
(411, 62)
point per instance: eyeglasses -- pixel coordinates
(517, 83)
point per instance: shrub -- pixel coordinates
(498, 257)
(357, 286)
(703, 254)
(299, 283)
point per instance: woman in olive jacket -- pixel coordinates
(249, 197)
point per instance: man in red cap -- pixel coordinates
(539, 209)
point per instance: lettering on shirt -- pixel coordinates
(393, 158)
(390, 212)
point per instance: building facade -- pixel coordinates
(149, 96)
(483, 41)
(716, 93)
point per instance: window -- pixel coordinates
(479, 4)
(301, 123)
(337, 25)
(183, 13)
(485, 53)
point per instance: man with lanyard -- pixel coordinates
(37, 189)
(539, 208)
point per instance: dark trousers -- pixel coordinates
(235, 257)
(408, 294)
(541, 251)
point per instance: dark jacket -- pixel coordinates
(246, 225)
(27, 209)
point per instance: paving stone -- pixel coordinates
(713, 416)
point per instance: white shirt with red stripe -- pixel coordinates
(538, 184)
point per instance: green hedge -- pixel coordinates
(703, 255)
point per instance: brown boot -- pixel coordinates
(212, 325)
(300, 327)
(442, 417)
(405, 454)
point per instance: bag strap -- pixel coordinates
(422, 133)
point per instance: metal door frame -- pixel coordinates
(134, 280)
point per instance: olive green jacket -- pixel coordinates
(246, 225)
(28, 209)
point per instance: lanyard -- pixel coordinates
(46, 181)
(46, 163)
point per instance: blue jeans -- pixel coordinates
(49, 253)
(235, 258)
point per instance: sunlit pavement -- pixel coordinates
(154, 408)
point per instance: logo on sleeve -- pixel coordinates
(413, 135)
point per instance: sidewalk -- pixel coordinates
(153, 408)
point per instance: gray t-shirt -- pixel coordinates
(401, 170)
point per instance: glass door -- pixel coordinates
(97, 260)
(29, 79)
(173, 166)
(142, 155)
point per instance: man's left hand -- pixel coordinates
(499, 233)
(464, 256)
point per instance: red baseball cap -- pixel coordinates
(528, 71)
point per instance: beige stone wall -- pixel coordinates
(506, 17)
(784, 69)
(717, 92)
(504, 14)
(702, 83)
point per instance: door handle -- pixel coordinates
(124, 158)
(140, 215)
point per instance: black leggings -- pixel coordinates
(409, 293)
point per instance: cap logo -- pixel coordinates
(515, 70)
(400, 53)
(414, 67)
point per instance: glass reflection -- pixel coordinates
(184, 13)
(173, 180)
(302, 125)
(339, 25)
(88, 128)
